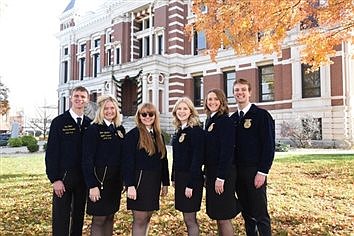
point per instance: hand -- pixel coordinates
(94, 194)
(188, 192)
(59, 188)
(131, 193)
(259, 180)
(164, 191)
(219, 186)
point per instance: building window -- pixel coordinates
(96, 64)
(229, 78)
(198, 90)
(140, 45)
(147, 46)
(159, 44)
(65, 71)
(311, 82)
(81, 68)
(266, 83)
(66, 51)
(313, 128)
(97, 43)
(199, 42)
(117, 56)
(83, 47)
(109, 57)
(147, 23)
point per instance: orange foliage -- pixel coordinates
(262, 26)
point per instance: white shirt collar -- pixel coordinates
(74, 115)
(212, 114)
(245, 109)
(184, 125)
(107, 122)
(150, 130)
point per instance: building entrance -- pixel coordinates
(129, 97)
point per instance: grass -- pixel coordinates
(308, 195)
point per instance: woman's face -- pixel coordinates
(109, 111)
(147, 118)
(183, 112)
(213, 102)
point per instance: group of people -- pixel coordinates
(89, 164)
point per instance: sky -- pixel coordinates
(29, 52)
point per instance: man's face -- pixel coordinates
(79, 99)
(242, 93)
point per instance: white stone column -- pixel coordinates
(132, 37)
(144, 89)
(155, 89)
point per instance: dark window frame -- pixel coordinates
(261, 79)
(310, 82)
(228, 81)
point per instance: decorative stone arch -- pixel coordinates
(130, 94)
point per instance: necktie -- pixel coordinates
(78, 122)
(111, 128)
(241, 115)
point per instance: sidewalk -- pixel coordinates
(22, 150)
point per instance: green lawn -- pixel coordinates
(308, 195)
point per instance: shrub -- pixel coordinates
(28, 139)
(281, 147)
(33, 147)
(15, 142)
(166, 136)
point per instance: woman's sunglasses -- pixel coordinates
(150, 114)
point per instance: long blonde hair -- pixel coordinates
(145, 141)
(101, 102)
(193, 119)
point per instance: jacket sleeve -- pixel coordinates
(130, 150)
(267, 142)
(226, 142)
(197, 142)
(90, 143)
(165, 172)
(52, 154)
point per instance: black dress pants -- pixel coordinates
(69, 210)
(253, 201)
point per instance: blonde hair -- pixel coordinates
(101, 102)
(223, 109)
(193, 119)
(145, 141)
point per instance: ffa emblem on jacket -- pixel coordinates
(211, 127)
(181, 138)
(120, 134)
(247, 123)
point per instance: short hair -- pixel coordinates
(80, 89)
(223, 109)
(101, 102)
(242, 81)
(193, 119)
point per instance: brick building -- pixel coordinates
(138, 51)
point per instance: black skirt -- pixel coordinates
(110, 194)
(224, 206)
(148, 187)
(182, 203)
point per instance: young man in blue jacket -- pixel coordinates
(254, 154)
(63, 166)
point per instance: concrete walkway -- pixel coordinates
(22, 150)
